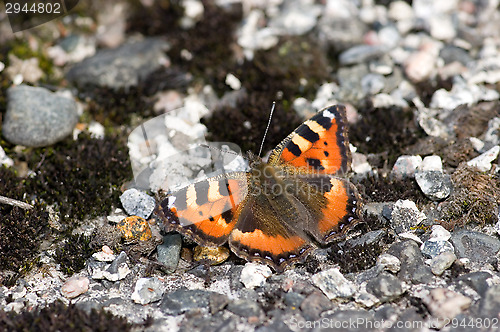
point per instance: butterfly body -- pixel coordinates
(276, 212)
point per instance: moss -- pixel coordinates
(384, 189)
(21, 231)
(83, 178)
(426, 89)
(386, 132)
(352, 258)
(475, 199)
(60, 317)
(74, 253)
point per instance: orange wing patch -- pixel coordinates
(204, 210)
(319, 145)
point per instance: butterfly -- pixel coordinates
(280, 210)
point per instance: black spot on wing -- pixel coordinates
(201, 190)
(294, 149)
(323, 121)
(227, 215)
(306, 132)
(315, 163)
(326, 153)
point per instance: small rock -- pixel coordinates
(135, 229)
(405, 215)
(476, 280)
(385, 286)
(105, 255)
(477, 247)
(184, 300)
(4, 159)
(445, 304)
(439, 233)
(361, 54)
(233, 82)
(293, 299)
(483, 161)
(420, 65)
(254, 275)
(442, 262)
(37, 117)
(121, 67)
(245, 308)
(23, 70)
(432, 181)
(217, 302)
(406, 166)
(333, 284)
(215, 255)
(389, 262)
(345, 320)
(413, 268)
(147, 290)
(117, 270)
(75, 286)
(433, 248)
(169, 252)
(137, 203)
(314, 304)
(360, 164)
(490, 302)
(372, 84)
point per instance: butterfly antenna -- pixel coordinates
(267, 128)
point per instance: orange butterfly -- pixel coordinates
(275, 213)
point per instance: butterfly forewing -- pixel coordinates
(319, 145)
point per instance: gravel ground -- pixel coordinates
(103, 112)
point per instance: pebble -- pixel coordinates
(75, 286)
(37, 117)
(147, 290)
(405, 167)
(184, 300)
(445, 304)
(293, 300)
(389, 262)
(372, 83)
(483, 161)
(420, 65)
(413, 268)
(490, 302)
(115, 271)
(21, 70)
(135, 229)
(476, 280)
(137, 203)
(169, 252)
(492, 134)
(245, 308)
(314, 305)
(360, 164)
(405, 215)
(361, 54)
(254, 275)
(442, 262)
(105, 255)
(385, 286)
(477, 247)
(333, 284)
(121, 67)
(296, 18)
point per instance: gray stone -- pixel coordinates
(147, 290)
(122, 67)
(389, 262)
(405, 167)
(333, 284)
(405, 215)
(431, 248)
(386, 287)
(361, 54)
(293, 299)
(413, 268)
(477, 247)
(245, 308)
(314, 304)
(434, 184)
(169, 252)
(451, 53)
(490, 303)
(184, 300)
(476, 280)
(372, 84)
(367, 239)
(37, 117)
(218, 302)
(137, 203)
(442, 262)
(350, 321)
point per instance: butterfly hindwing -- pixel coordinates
(204, 211)
(318, 145)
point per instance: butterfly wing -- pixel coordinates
(262, 234)
(319, 145)
(204, 211)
